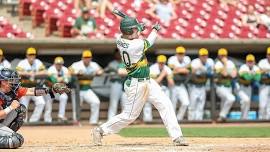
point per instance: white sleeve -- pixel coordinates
(260, 64)
(95, 66)
(152, 38)
(50, 70)
(242, 69)
(212, 63)
(170, 61)
(20, 66)
(65, 69)
(7, 64)
(193, 64)
(217, 66)
(74, 68)
(168, 70)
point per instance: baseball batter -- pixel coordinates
(12, 113)
(201, 69)
(57, 73)
(164, 77)
(249, 76)
(3, 62)
(86, 70)
(116, 90)
(139, 87)
(30, 68)
(180, 63)
(225, 71)
(264, 104)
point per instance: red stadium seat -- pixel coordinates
(51, 17)
(38, 9)
(24, 8)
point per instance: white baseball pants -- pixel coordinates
(179, 93)
(62, 106)
(39, 106)
(91, 98)
(147, 109)
(137, 93)
(197, 102)
(264, 105)
(227, 99)
(245, 99)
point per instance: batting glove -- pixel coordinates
(156, 27)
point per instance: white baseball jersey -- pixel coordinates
(5, 64)
(198, 63)
(52, 71)
(80, 67)
(264, 100)
(24, 65)
(133, 54)
(173, 62)
(245, 69)
(264, 65)
(155, 70)
(219, 66)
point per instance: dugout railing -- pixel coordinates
(76, 112)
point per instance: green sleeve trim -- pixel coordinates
(146, 45)
(52, 78)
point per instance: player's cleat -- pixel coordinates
(97, 136)
(180, 141)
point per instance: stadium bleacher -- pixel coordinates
(9, 30)
(196, 18)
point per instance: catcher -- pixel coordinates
(12, 113)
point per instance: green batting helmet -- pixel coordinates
(128, 23)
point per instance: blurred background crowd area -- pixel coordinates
(92, 19)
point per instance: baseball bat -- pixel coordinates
(119, 13)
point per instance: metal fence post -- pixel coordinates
(213, 99)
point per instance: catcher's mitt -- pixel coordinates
(60, 88)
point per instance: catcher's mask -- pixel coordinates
(12, 77)
(128, 23)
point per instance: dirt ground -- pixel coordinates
(78, 138)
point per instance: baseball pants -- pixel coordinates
(138, 92)
(91, 98)
(227, 99)
(39, 106)
(62, 106)
(245, 99)
(264, 105)
(179, 93)
(147, 109)
(197, 102)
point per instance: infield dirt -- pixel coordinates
(78, 139)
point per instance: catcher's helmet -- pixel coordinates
(12, 77)
(128, 23)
